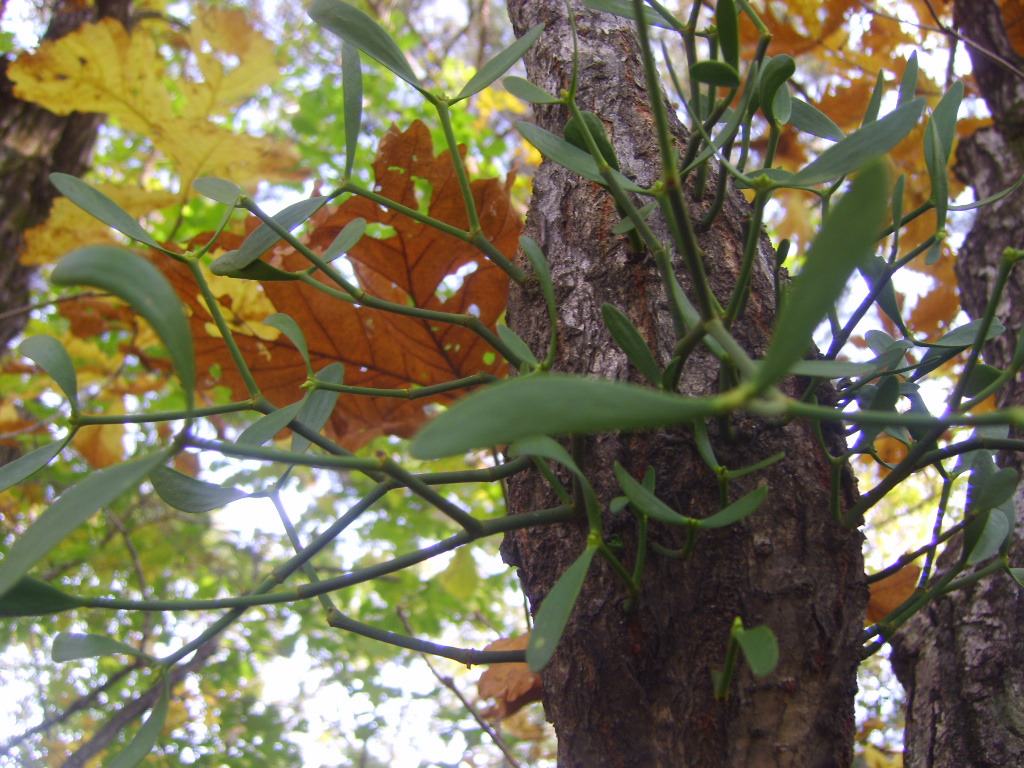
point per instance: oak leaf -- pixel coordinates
(512, 685)
(415, 265)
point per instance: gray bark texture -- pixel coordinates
(961, 660)
(34, 143)
(635, 688)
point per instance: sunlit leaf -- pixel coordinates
(220, 190)
(69, 646)
(551, 404)
(130, 277)
(859, 147)
(809, 119)
(32, 597)
(50, 355)
(527, 91)
(140, 746)
(500, 64)
(102, 207)
(74, 507)
(357, 28)
(189, 494)
(845, 241)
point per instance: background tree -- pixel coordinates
(960, 659)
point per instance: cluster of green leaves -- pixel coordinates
(723, 98)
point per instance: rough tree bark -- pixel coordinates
(34, 143)
(961, 660)
(635, 689)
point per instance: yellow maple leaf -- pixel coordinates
(102, 68)
(102, 445)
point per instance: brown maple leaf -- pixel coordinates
(889, 593)
(416, 265)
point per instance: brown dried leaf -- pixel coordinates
(511, 685)
(889, 593)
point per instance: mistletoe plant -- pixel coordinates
(527, 416)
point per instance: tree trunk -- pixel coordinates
(34, 143)
(635, 688)
(961, 660)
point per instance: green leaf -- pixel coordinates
(966, 335)
(540, 266)
(555, 610)
(50, 355)
(32, 597)
(875, 269)
(460, 579)
(727, 23)
(359, 29)
(263, 429)
(855, 150)
(982, 376)
(219, 190)
(944, 116)
(776, 72)
(551, 404)
(69, 646)
(319, 405)
(990, 490)
(936, 164)
(717, 73)
(190, 495)
(263, 238)
(760, 649)
(352, 101)
(626, 225)
(547, 448)
(15, 471)
(736, 511)
(573, 133)
(523, 89)
(73, 508)
(644, 500)
(831, 369)
(569, 156)
(995, 527)
(286, 325)
(994, 198)
(845, 241)
(258, 270)
(97, 204)
(500, 64)
(1018, 575)
(516, 344)
(632, 343)
(875, 104)
(625, 9)
(782, 105)
(908, 85)
(145, 739)
(350, 234)
(130, 277)
(809, 119)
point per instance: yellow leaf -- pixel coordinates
(889, 593)
(68, 226)
(97, 68)
(876, 758)
(103, 445)
(198, 147)
(460, 578)
(237, 62)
